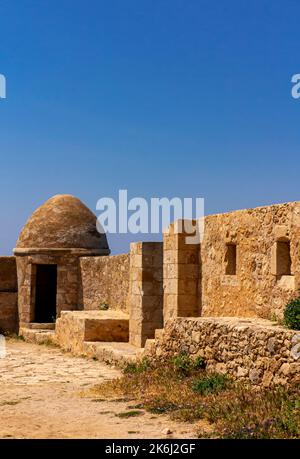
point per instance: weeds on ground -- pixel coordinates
(136, 368)
(184, 364)
(215, 382)
(184, 389)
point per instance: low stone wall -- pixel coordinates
(105, 280)
(8, 295)
(255, 350)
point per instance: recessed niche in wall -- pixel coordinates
(283, 258)
(230, 260)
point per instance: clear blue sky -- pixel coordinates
(163, 98)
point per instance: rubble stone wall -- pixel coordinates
(256, 350)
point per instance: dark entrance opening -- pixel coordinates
(45, 293)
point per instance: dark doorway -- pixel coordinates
(230, 260)
(284, 262)
(45, 293)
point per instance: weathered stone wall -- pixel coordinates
(262, 285)
(8, 295)
(105, 280)
(146, 291)
(255, 350)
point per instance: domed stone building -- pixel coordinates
(48, 254)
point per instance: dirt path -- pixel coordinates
(41, 397)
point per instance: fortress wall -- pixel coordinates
(257, 242)
(8, 295)
(105, 280)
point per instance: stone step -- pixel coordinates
(38, 336)
(114, 353)
(40, 326)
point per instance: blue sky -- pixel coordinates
(162, 98)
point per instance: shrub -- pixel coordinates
(292, 314)
(215, 382)
(103, 307)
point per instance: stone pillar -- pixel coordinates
(146, 291)
(181, 272)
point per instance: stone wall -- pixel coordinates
(254, 240)
(105, 280)
(8, 295)
(254, 350)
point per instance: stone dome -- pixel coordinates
(63, 222)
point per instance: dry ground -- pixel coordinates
(42, 397)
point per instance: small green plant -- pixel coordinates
(103, 307)
(213, 383)
(292, 314)
(199, 363)
(138, 367)
(184, 364)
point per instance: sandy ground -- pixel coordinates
(41, 397)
